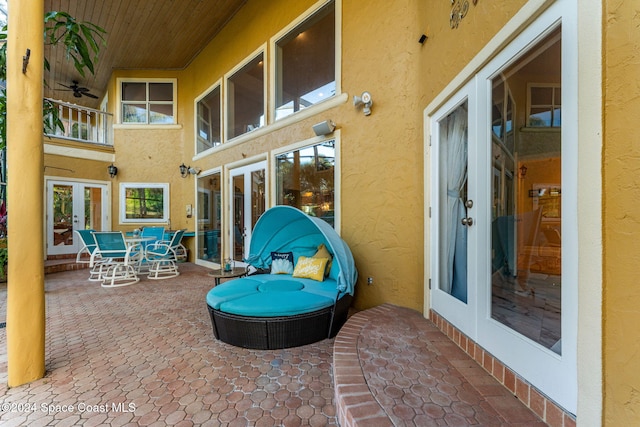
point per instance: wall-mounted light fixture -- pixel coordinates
(324, 128)
(364, 100)
(523, 171)
(113, 171)
(186, 170)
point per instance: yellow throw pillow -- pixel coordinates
(310, 268)
(324, 253)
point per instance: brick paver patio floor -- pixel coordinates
(145, 355)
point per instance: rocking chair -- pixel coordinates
(162, 257)
(120, 260)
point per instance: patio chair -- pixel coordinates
(119, 267)
(181, 251)
(88, 247)
(162, 257)
(157, 233)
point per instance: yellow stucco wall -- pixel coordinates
(60, 166)
(621, 312)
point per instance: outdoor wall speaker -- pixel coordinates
(324, 128)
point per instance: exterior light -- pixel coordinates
(184, 170)
(113, 171)
(523, 171)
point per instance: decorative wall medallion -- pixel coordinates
(459, 9)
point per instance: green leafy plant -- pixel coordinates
(81, 41)
(4, 257)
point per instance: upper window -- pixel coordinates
(209, 132)
(305, 178)
(144, 203)
(544, 105)
(245, 98)
(148, 102)
(306, 63)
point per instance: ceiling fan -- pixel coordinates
(78, 91)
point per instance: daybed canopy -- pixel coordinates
(285, 228)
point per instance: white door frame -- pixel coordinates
(458, 313)
(78, 209)
(245, 170)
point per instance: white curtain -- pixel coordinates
(456, 233)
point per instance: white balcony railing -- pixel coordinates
(82, 124)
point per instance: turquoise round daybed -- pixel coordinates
(297, 306)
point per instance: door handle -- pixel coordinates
(468, 221)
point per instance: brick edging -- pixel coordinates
(531, 397)
(354, 400)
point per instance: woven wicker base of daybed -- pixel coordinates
(270, 333)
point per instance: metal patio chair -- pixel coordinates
(120, 264)
(162, 257)
(88, 247)
(157, 234)
(181, 251)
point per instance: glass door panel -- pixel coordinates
(209, 218)
(527, 296)
(248, 185)
(453, 143)
(93, 208)
(61, 233)
(239, 229)
(526, 244)
(257, 196)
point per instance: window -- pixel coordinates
(144, 203)
(148, 102)
(544, 105)
(245, 98)
(208, 120)
(305, 179)
(306, 63)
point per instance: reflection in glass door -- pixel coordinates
(73, 206)
(248, 195)
(526, 243)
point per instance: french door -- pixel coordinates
(503, 208)
(454, 212)
(71, 206)
(248, 188)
